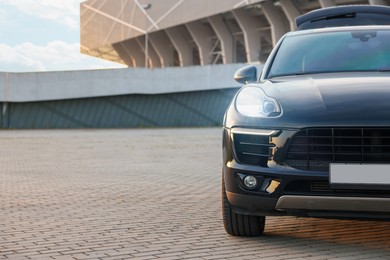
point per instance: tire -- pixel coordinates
(239, 224)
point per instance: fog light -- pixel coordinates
(250, 182)
(269, 107)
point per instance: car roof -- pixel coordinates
(349, 15)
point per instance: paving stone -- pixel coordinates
(145, 194)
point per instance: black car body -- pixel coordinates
(311, 135)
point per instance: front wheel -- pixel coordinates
(239, 224)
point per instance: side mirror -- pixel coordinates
(246, 74)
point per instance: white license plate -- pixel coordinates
(359, 174)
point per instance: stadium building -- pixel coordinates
(159, 34)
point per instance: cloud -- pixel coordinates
(65, 12)
(3, 15)
(56, 55)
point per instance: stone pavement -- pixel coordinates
(145, 194)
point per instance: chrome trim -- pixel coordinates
(249, 131)
(333, 203)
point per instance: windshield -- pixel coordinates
(344, 51)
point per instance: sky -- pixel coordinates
(43, 35)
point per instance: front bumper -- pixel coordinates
(283, 190)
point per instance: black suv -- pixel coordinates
(311, 135)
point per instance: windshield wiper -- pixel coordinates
(385, 69)
(291, 74)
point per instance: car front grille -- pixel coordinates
(253, 149)
(314, 149)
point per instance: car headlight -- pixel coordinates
(253, 102)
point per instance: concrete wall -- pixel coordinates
(43, 86)
(185, 109)
(170, 97)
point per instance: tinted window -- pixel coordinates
(367, 50)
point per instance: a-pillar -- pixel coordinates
(276, 19)
(181, 45)
(224, 36)
(201, 35)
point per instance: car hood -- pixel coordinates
(338, 99)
